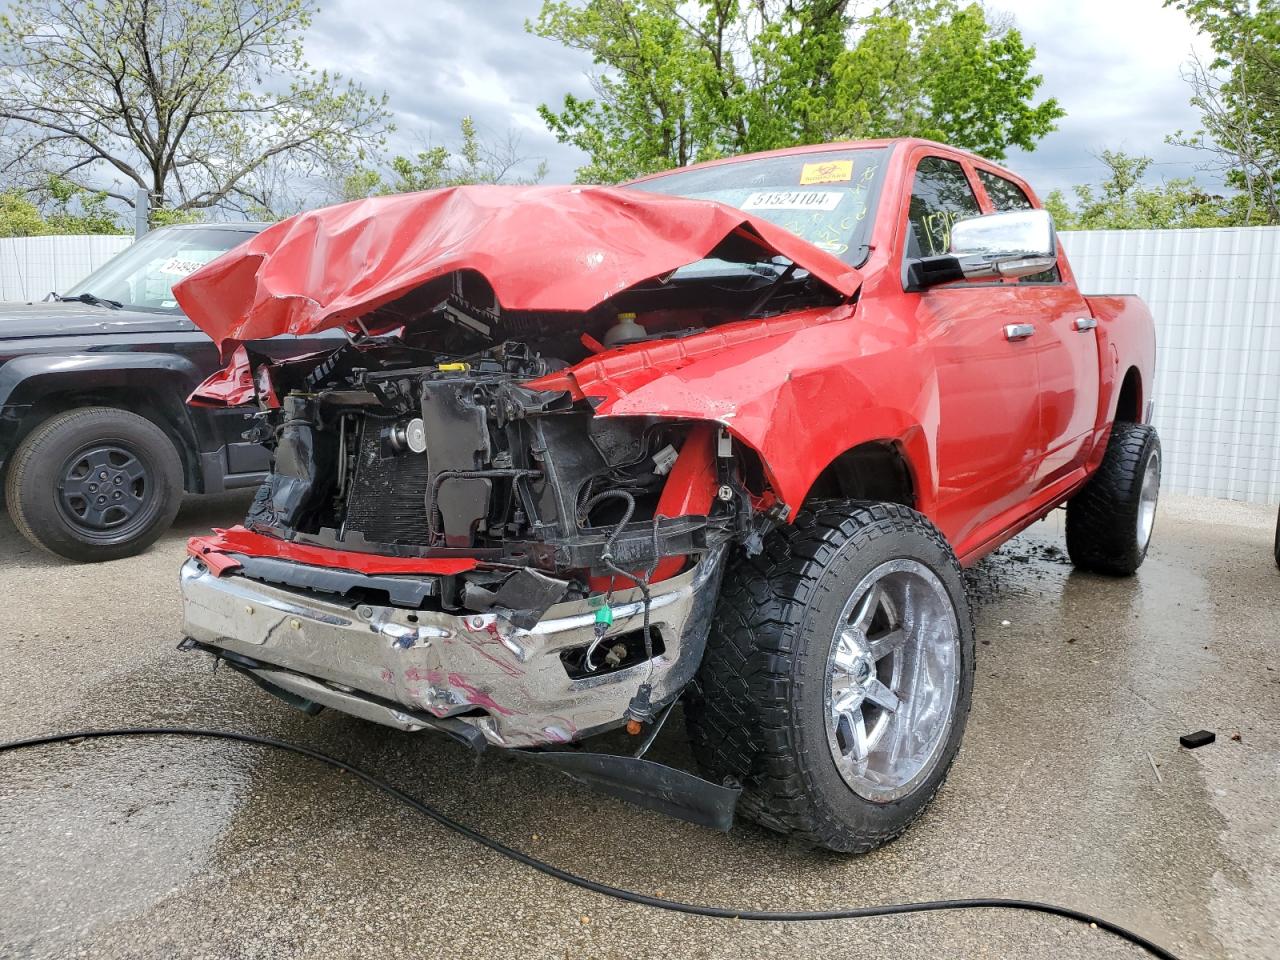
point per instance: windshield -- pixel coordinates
(826, 197)
(142, 277)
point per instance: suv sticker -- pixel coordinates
(829, 171)
(180, 266)
(793, 200)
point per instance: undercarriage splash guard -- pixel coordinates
(644, 783)
(653, 786)
(647, 784)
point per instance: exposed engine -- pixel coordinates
(385, 448)
(425, 437)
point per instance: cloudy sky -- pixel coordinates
(1113, 64)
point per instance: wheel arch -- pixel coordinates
(1129, 398)
(157, 391)
(872, 470)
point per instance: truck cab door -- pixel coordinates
(1065, 342)
(988, 384)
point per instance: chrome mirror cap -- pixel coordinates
(1017, 243)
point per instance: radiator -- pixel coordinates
(388, 495)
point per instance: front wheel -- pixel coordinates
(94, 483)
(1109, 521)
(838, 675)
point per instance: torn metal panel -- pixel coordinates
(557, 249)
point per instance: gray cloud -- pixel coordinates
(1113, 64)
(1116, 69)
(440, 61)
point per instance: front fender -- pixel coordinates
(27, 379)
(799, 390)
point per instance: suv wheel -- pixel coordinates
(838, 675)
(1109, 522)
(95, 483)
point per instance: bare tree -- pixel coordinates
(475, 158)
(1243, 149)
(202, 103)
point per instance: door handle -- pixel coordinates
(1085, 323)
(1018, 331)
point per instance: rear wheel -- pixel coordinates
(1109, 522)
(95, 483)
(838, 675)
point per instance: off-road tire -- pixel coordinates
(1102, 519)
(757, 713)
(32, 484)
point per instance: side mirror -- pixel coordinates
(1017, 243)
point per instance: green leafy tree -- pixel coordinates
(196, 102)
(74, 210)
(19, 217)
(67, 209)
(473, 160)
(1123, 201)
(688, 81)
(1238, 95)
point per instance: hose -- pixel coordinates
(604, 889)
(639, 709)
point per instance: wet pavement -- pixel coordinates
(169, 848)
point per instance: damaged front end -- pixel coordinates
(454, 535)
(450, 543)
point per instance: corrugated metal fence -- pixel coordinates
(1215, 295)
(32, 267)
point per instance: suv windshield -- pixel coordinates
(142, 277)
(826, 197)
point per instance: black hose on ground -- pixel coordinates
(604, 889)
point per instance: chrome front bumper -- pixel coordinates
(507, 682)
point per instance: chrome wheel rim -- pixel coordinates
(893, 676)
(1147, 497)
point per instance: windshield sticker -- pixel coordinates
(829, 171)
(179, 266)
(794, 200)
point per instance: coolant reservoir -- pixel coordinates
(625, 330)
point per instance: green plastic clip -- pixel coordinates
(605, 615)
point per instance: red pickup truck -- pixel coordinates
(725, 436)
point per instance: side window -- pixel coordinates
(1004, 194)
(1007, 195)
(940, 196)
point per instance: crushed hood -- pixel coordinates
(553, 249)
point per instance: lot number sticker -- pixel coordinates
(826, 200)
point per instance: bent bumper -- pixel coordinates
(508, 683)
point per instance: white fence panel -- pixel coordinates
(33, 267)
(1215, 295)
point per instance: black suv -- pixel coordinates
(97, 443)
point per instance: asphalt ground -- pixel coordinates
(159, 849)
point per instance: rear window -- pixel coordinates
(1007, 195)
(827, 198)
(1004, 194)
